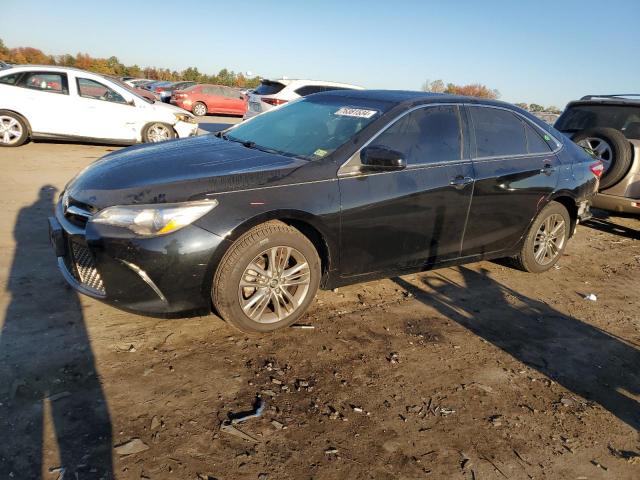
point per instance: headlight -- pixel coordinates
(152, 220)
(185, 117)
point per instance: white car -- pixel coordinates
(41, 102)
(273, 93)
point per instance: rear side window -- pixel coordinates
(268, 88)
(498, 132)
(427, 135)
(535, 143)
(10, 79)
(53, 82)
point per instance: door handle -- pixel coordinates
(548, 169)
(460, 182)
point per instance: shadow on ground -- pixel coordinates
(584, 359)
(47, 367)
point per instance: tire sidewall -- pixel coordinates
(145, 131)
(527, 256)
(25, 128)
(226, 300)
(620, 150)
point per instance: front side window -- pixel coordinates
(309, 128)
(309, 90)
(97, 91)
(45, 81)
(498, 132)
(426, 135)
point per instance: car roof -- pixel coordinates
(301, 81)
(617, 99)
(408, 96)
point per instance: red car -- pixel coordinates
(203, 99)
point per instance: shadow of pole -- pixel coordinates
(584, 359)
(46, 359)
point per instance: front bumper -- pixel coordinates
(184, 129)
(161, 276)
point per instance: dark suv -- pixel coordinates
(336, 188)
(609, 126)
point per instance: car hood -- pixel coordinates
(178, 171)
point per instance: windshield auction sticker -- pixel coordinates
(356, 112)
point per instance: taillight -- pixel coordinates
(273, 101)
(597, 168)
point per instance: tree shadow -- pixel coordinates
(584, 359)
(47, 365)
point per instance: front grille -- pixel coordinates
(86, 271)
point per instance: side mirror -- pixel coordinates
(381, 158)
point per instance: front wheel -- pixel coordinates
(267, 279)
(158, 132)
(546, 240)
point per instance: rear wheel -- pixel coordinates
(267, 279)
(199, 109)
(158, 132)
(13, 129)
(546, 239)
(612, 148)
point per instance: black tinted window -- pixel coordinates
(268, 88)
(426, 135)
(625, 118)
(498, 132)
(309, 90)
(10, 79)
(535, 143)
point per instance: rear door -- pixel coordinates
(515, 171)
(43, 98)
(415, 217)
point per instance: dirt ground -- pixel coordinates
(477, 372)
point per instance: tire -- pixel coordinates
(532, 258)
(158, 132)
(199, 109)
(13, 129)
(265, 305)
(612, 148)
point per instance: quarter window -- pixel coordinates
(426, 135)
(535, 143)
(45, 81)
(97, 91)
(499, 133)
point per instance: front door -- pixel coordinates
(516, 170)
(415, 217)
(103, 113)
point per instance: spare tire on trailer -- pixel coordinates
(612, 148)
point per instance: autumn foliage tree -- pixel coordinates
(113, 66)
(472, 90)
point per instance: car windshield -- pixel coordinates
(311, 128)
(625, 118)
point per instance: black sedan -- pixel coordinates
(333, 189)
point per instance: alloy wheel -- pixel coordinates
(274, 284)
(549, 240)
(10, 130)
(200, 110)
(158, 133)
(602, 149)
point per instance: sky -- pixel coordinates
(546, 52)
